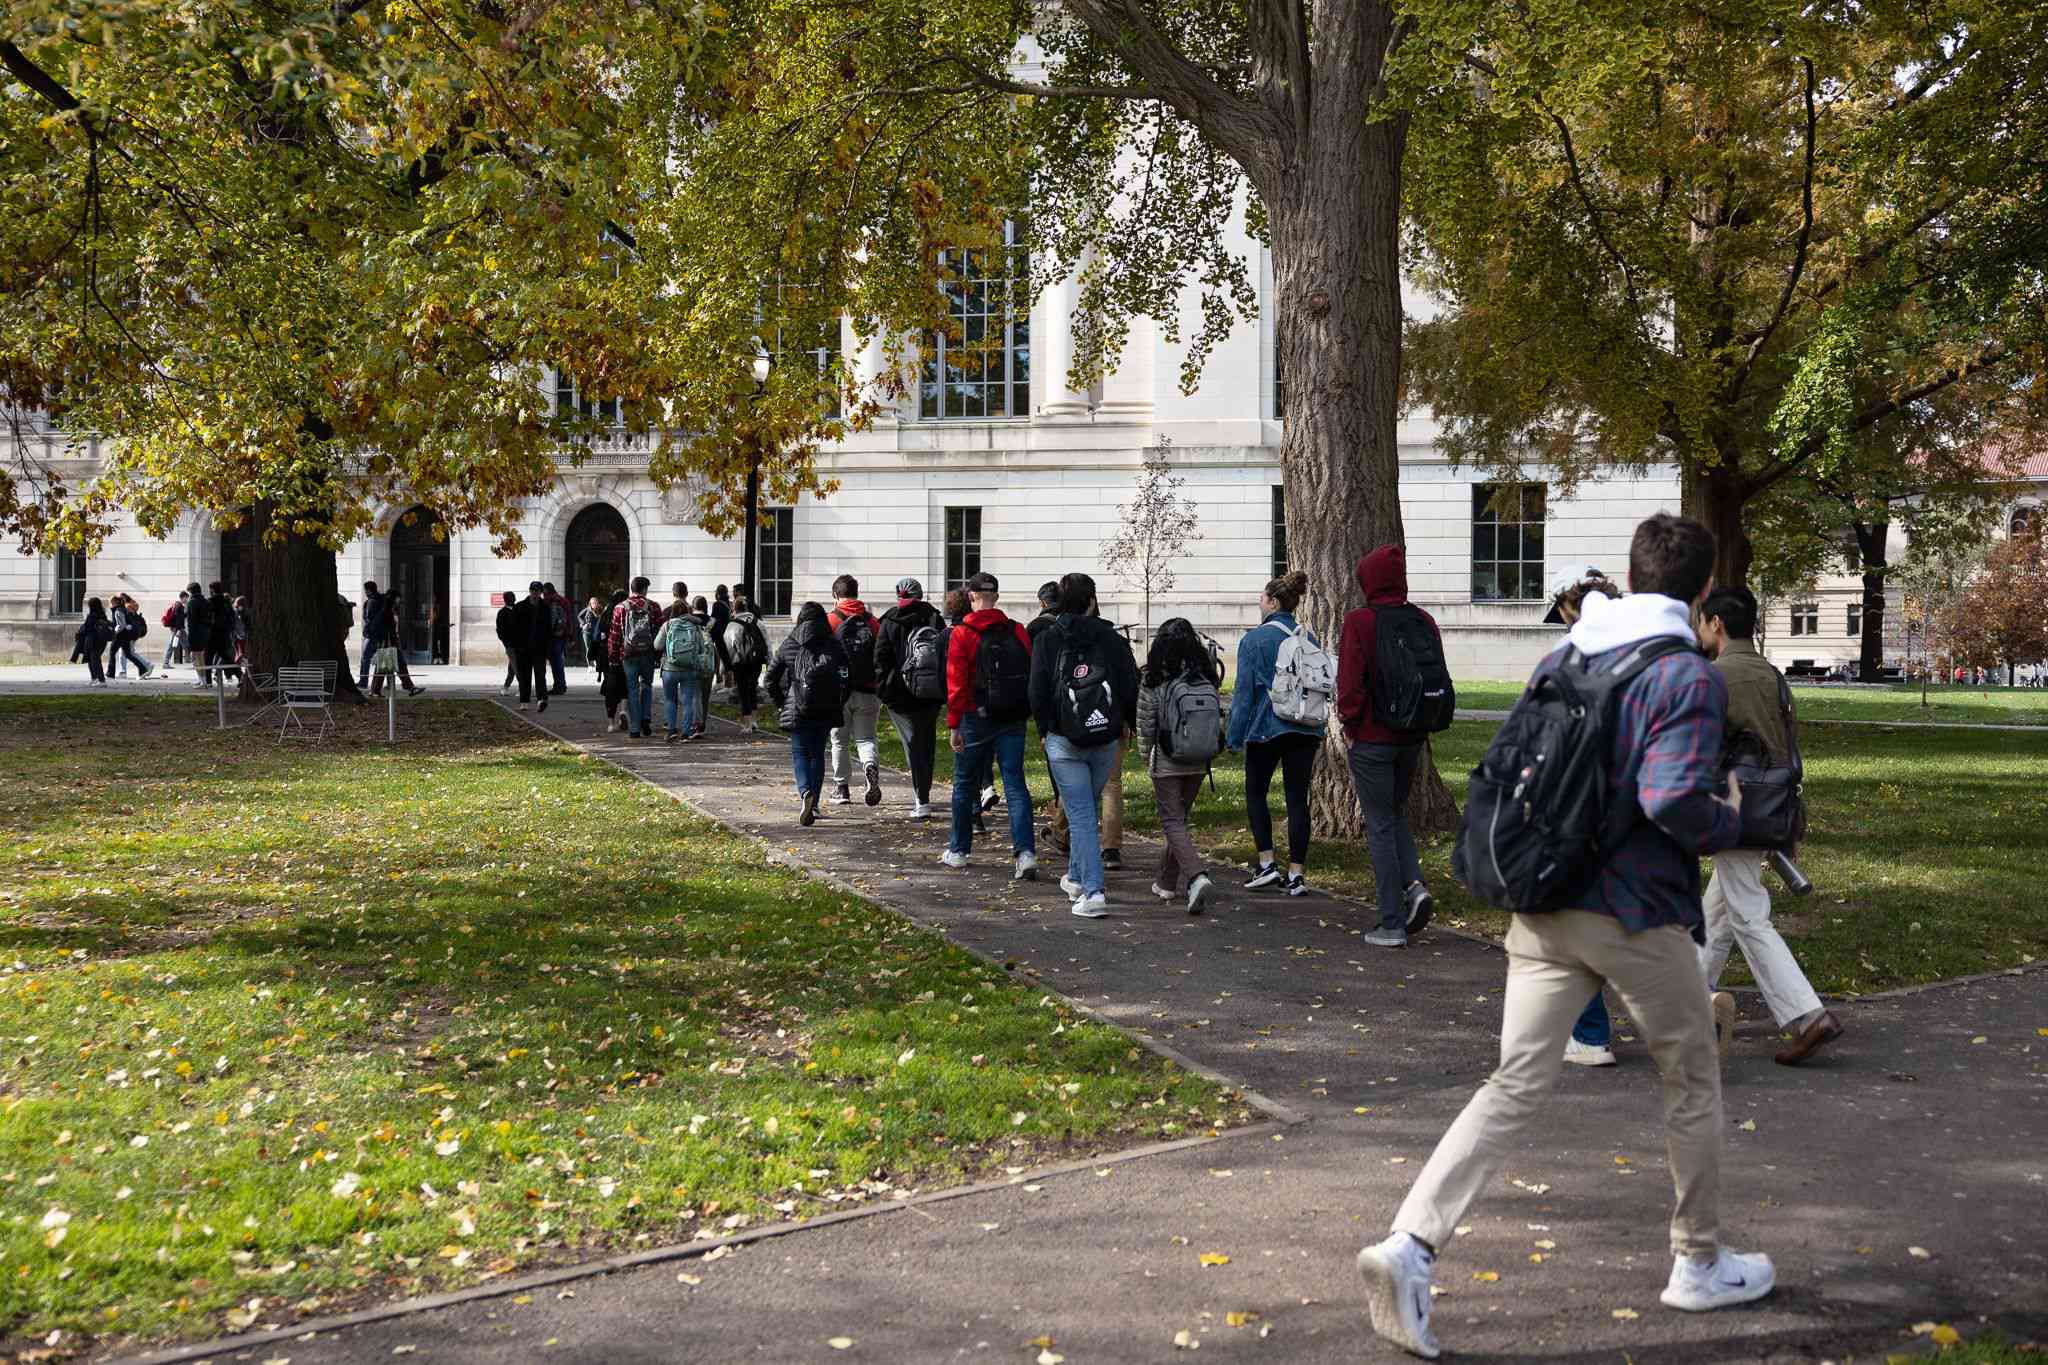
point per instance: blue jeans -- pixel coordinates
(807, 756)
(370, 648)
(690, 687)
(1080, 775)
(982, 743)
(639, 693)
(558, 658)
(1594, 1028)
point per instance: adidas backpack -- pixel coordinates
(1411, 683)
(1304, 680)
(1537, 820)
(1084, 698)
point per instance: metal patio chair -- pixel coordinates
(304, 688)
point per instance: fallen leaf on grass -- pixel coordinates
(1214, 1258)
(448, 1148)
(1184, 1340)
(1545, 1244)
(1939, 1332)
(687, 1278)
(246, 1315)
(1747, 1125)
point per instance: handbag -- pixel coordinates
(385, 661)
(1773, 795)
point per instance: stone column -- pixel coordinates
(1052, 337)
(1127, 390)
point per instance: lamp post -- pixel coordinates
(759, 366)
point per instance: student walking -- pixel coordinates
(90, 641)
(128, 626)
(241, 631)
(1393, 690)
(746, 652)
(910, 670)
(1180, 732)
(1738, 905)
(988, 699)
(376, 616)
(508, 636)
(855, 627)
(220, 639)
(173, 621)
(707, 676)
(1629, 922)
(1285, 687)
(634, 625)
(198, 632)
(612, 669)
(687, 659)
(561, 630)
(392, 612)
(1084, 695)
(721, 617)
(591, 625)
(808, 683)
(532, 629)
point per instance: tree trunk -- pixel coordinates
(1336, 275)
(296, 616)
(1715, 497)
(1872, 552)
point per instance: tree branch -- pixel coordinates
(38, 80)
(1803, 241)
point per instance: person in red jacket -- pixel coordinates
(1383, 761)
(988, 700)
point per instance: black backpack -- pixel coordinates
(1411, 684)
(923, 670)
(1085, 706)
(1537, 823)
(1002, 675)
(857, 637)
(1773, 795)
(817, 686)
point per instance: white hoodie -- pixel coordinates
(1611, 622)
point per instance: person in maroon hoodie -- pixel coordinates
(1383, 760)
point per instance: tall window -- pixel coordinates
(69, 599)
(1279, 386)
(1806, 618)
(571, 401)
(979, 363)
(1279, 530)
(1855, 620)
(963, 545)
(1507, 542)
(775, 569)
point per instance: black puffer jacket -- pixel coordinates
(811, 636)
(892, 641)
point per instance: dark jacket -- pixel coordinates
(892, 640)
(1074, 632)
(377, 619)
(93, 634)
(1383, 576)
(1039, 624)
(1753, 701)
(508, 618)
(963, 643)
(222, 610)
(813, 636)
(198, 624)
(533, 627)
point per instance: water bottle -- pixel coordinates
(1795, 880)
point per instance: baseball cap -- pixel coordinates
(535, 586)
(1569, 577)
(982, 582)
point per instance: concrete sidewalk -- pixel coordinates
(1899, 1179)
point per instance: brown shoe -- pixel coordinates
(1812, 1039)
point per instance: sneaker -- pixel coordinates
(526, 706)
(809, 815)
(1200, 892)
(1420, 906)
(1297, 885)
(1095, 905)
(1269, 874)
(687, 736)
(1027, 866)
(1161, 892)
(953, 859)
(1387, 938)
(842, 797)
(1071, 887)
(1112, 860)
(1397, 1274)
(989, 799)
(920, 810)
(1588, 1054)
(1732, 1277)
(615, 723)
(413, 689)
(1724, 1020)
(674, 737)
(505, 689)
(874, 777)
(543, 704)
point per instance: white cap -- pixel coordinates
(1569, 577)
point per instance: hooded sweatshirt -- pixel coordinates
(1666, 760)
(815, 636)
(1383, 577)
(1078, 632)
(864, 670)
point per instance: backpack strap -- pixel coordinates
(1621, 822)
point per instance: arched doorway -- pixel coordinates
(597, 550)
(419, 574)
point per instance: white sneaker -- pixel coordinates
(920, 811)
(1092, 906)
(1071, 887)
(1161, 892)
(526, 706)
(1200, 891)
(1732, 1277)
(952, 859)
(1027, 866)
(1587, 1054)
(1397, 1274)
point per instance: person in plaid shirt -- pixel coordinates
(1635, 926)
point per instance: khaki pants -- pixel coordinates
(1555, 961)
(1738, 910)
(1112, 820)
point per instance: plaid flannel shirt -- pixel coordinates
(1667, 763)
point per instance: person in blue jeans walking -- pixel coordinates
(807, 685)
(988, 699)
(1084, 696)
(1270, 740)
(635, 623)
(679, 644)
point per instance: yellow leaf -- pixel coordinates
(840, 1343)
(1536, 1257)
(1627, 1314)
(1240, 1319)
(1945, 1335)
(1489, 1276)
(1214, 1258)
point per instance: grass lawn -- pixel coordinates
(290, 1029)
(1925, 849)
(1947, 705)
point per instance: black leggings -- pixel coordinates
(1295, 756)
(746, 681)
(919, 731)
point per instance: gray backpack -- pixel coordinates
(1190, 719)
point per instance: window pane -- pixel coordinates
(1482, 544)
(1532, 501)
(1532, 540)
(1510, 579)
(1482, 502)
(69, 599)
(1484, 584)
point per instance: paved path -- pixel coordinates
(1921, 1130)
